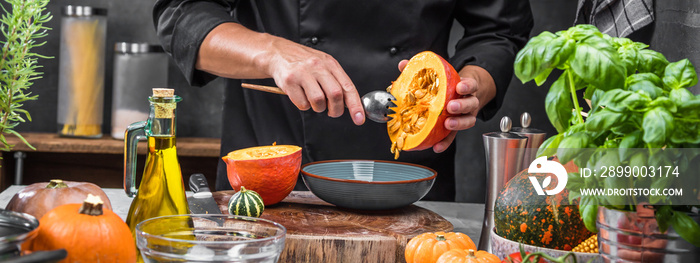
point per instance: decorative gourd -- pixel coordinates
(422, 92)
(246, 203)
(271, 171)
(428, 247)
(541, 220)
(88, 232)
(38, 198)
(467, 256)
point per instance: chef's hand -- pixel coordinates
(476, 89)
(311, 78)
(314, 79)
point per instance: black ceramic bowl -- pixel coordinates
(366, 184)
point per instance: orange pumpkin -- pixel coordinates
(38, 198)
(467, 256)
(427, 247)
(88, 232)
(271, 171)
(422, 92)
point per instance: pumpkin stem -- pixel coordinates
(92, 206)
(440, 238)
(56, 183)
(471, 253)
(242, 189)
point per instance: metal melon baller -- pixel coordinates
(376, 103)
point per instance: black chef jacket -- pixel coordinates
(368, 38)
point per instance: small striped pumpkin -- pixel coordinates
(246, 203)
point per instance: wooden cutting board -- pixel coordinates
(320, 232)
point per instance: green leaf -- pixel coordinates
(651, 61)
(645, 82)
(631, 140)
(570, 146)
(540, 55)
(680, 74)
(581, 31)
(622, 100)
(549, 147)
(604, 119)
(558, 104)
(686, 227)
(589, 212)
(657, 125)
(680, 96)
(665, 103)
(596, 62)
(663, 216)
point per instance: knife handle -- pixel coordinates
(198, 183)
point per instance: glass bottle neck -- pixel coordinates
(162, 118)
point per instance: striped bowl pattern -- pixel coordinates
(366, 184)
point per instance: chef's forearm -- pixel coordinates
(233, 51)
(486, 90)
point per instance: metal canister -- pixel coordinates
(138, 67)
(535, 138)
(81, 71)
(504, 155)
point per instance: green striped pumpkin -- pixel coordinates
(246, 203)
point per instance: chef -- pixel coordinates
(325, 54)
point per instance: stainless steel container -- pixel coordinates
(535, 138)
(81, 71)
(635, 237)
(138, 67)
(504, 155)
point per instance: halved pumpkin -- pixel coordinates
(271, 171)
(422, 92)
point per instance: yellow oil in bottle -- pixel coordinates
(161, 191)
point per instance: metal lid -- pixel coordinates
(76, 10)
(525, 120)
(505, 125)
(136, 48)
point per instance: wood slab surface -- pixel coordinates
(320, 232)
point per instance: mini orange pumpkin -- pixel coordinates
(87, 232)
(467, 256)
(427, 247)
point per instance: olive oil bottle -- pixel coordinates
(162, 189)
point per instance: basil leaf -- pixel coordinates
(596, 62)
(646, 82)
(629, 56)
(604, 119)
(680, 96)
(589, 212)
(571, 146)
(664, 102)
(542, 77)
(541, 54)
(657, 125)
(558, 104)
(651, 61)
(622, 100)
(690, 108)
(549, 146)
(680, 74)
(686, 132)
(663, 217)
(631, 140)
(686, 227)
(581, 31)
(595, 98)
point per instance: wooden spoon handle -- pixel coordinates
(270, 89)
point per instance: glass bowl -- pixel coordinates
(210, 238)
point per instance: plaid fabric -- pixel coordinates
(617, 18)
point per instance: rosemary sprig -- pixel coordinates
(18, 68)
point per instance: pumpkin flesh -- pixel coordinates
(422, 92)
(271, 171)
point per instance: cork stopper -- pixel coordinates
(163, 92)
(164, 110)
